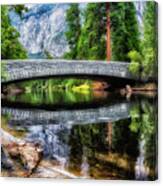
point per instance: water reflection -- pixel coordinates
(120, 148)
(110, 113)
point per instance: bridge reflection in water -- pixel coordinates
(27, 117)
(107, 142)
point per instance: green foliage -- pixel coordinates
(50, 91)
(143, 119)
(4, 74)
(10, 45)
(135, 65)
(53, 84)
(135, 115)
(132, 30)
(123, 140)
(89, 42)
(134, 68)
(73, 31)
(149, 62)
(124, 30)
(145, 63)
(150, 39)
(19, 9)
(92, 41)
(143, 122)
(135, 56)
(48, 55)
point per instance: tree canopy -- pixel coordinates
(124, 30)
(73, 30)
(11, 47)
(149, 44)
(146, 64)
(92, 41)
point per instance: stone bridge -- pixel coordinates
(29, 117)
(17, 70)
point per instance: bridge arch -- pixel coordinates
(32, 69)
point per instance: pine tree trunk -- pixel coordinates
(109, 137)
(108, 32)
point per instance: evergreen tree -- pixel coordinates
(124, 30)
(10, 45)
(108, 33)
(19, 9)
(150, 39)
(73, 32)
(117, 31)
(92, 42)
(132, 29)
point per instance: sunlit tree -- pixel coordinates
(124, 30)
(149, 44)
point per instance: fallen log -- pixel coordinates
(146, 87)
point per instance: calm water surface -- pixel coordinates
(87, 135)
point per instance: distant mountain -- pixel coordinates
(42, 29)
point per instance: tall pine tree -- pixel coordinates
(149, 44)
(73, 31)
(124, 30)
(94, 38)
(10, 45)
(108, 33)
(92, 42)
(117, 31)
(132, 28)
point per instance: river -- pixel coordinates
(96, 135)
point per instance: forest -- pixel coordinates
(74, 127)
(102, 31)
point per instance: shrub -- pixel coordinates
(135, 65)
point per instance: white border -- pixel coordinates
(41, 182)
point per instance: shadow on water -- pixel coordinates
(109, 138)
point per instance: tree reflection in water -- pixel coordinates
(125, 149)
